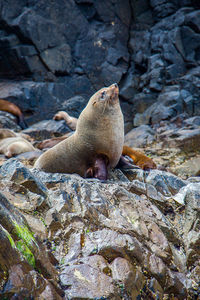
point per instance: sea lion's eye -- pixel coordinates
(103, 94)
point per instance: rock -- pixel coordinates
(29, 156)
(58, 59)
(7, 120)
(22, 254)
(127, 91)
(17, 172)
(47, 129)
(140, 103)
(194, 121)
(39, 100)
(189, 168)
(81, 281)
(185, 139)
(74, 105)
(137, 234)
(191, 42)
(168, 184)
(191, 198)
(130, 279)
(140, 136)
(119, 232)
(37, 226)
(161, 8)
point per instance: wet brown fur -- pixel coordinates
(14, 110)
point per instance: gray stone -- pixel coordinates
(81, 281)
(140, 136)
(74, 105)
(193, 121)
(17, 172)
(47, 129)
(58, 59)
(22, 250)
(186, 139)
(189, 168)
(166, 183)
(8, 120)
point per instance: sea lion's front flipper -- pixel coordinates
(124, 163)
(99, 168)
(22, 123)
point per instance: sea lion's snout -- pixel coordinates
(114, 92)
(114, 86)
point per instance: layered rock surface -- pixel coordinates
(136, 235)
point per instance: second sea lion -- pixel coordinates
(139, 159)
(70, 121)
(15, 110)
(12, 146)
(99, 133)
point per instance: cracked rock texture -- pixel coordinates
(135, 236)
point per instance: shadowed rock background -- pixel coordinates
(138, 234)
(52, 52)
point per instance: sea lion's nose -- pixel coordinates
(115, 84)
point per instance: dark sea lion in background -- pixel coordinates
(99, 137)
(15, 110)
(70, 121)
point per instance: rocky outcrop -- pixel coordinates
(135, 235)
(26, 270)
(60, 49)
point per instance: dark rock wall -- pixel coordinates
(52, 51)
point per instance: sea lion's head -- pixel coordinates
(106, 96)
(102, 112)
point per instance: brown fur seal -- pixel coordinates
(70, 121)
(49, 143)
(139, 159)
(15, 110)
(99, 133)
(6, 133)
(15, 145)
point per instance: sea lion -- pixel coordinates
(6, 133)
(49, 143)
(70, 121)
(139, 159)
(99, 132)
(15, 110)
(12, 146)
